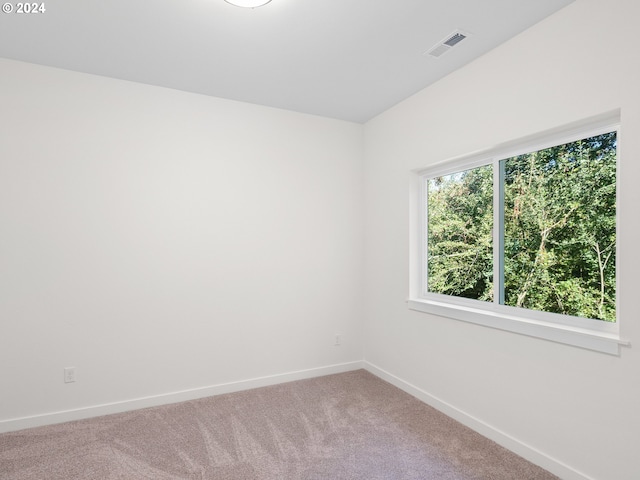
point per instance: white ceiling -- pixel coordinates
(346, 59)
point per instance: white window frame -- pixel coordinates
(591, 334)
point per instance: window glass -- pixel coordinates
(459, 234)
(560, 229)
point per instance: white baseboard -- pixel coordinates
(532, 454)
(173, 397)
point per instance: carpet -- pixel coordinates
(348, 426)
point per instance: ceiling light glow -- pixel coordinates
(248, 3)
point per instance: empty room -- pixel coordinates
(320, 239)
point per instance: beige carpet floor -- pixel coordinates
(346, 426)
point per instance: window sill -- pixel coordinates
(578, 337)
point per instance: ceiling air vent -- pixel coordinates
(446, 44)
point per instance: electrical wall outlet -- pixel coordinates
(69, 374)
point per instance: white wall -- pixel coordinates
(570, 409)
(161, 241)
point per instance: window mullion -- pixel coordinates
(498, 232)
(424, 232)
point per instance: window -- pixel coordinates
(523, 237)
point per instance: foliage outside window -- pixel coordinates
(537, 234)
